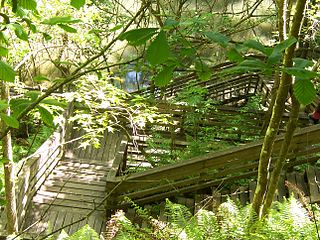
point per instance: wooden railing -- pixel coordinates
(214, 168)
(35, 171)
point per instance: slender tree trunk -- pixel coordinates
(272, 101)
(9, 173)
(278, 166)
(277, 111)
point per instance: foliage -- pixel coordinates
(84, 233)
(287, 220)
(99, 106)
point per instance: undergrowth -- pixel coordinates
(286, 220)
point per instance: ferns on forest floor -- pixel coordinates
(286, 220)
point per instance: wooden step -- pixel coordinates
(75, 185)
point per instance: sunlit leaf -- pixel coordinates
(54, 102)
(304, 91)
(6, 72)
(159, 50)
(139, 36)
(85, 233)
(61, 20)
(40, 78)
(20, 32)
(33, 95)
(28, 4)
(77, 3)
(46, 116)
(67, 28)
(115, 28)
(219, 38)
(9, 120)
(164, 77)
(46, 36)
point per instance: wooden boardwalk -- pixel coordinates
(74, 189)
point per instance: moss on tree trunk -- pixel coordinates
(277, 111)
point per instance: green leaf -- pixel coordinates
(6, 72)
(170, 24)
(46, 116)
(300, 72)
(285, 44)
(276, 54)
(28, 4)
(159, 50)
(3, 51)
(248, 65)
(257, 46)
(85, 233)
(40, 78)
(219, 38)
(304, 91)
(32, 27)
(77, 3)
(2, 202)
(20, 32)
(302, 63)
(67, 28)
(9, 120)
(33, 95)
(54, 102)
(115, 28)
(139, 36)
(18, 105)
(234, 55)
(164, 77)
(61, 20)
(3, 105)
(203, 71)
(46, 36)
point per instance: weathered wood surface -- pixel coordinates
(209, 170)
(58, 191)
(75, 188)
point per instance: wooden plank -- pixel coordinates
(73, 191)
(313, 187)
(252, 188)
(64, 202)
(291, 178)
(60, 219)
(80, 198)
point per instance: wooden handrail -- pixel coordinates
(200, 165)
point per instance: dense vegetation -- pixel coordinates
(93, 53)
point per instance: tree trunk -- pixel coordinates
(278, 165)
(9, 173)
(277, 111)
